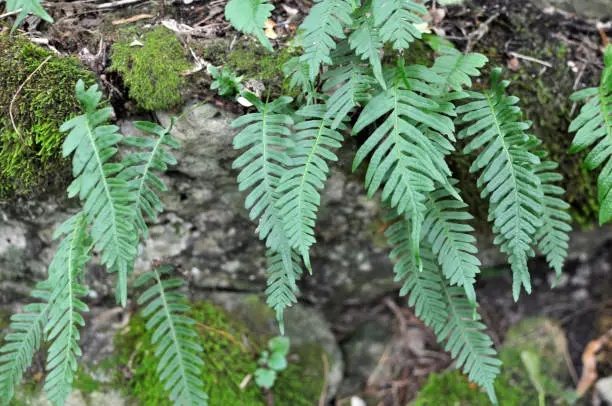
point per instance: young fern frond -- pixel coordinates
(451, 240)
(26, 7)
(23, 340)
(445, 309)
(298, 190)
(396, 20)
(403, 156)
(553, 236)
(174, 338)
(61, 329)
(249, 17)
(318, 31)
(139, 166)
(593, 128)
(366, 43)
(108, 200)
(508, 176)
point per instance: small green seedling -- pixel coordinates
(226, 82)
(272, 362)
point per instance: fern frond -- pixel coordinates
(508, 177)
(444, 308)
(366, 42)
(396, 20)
(26, 7)
(298, 190)
(457, 69)
(65, 307)
(138, 170)
(249, 17)
(553, 236)
(108, 200)
(267, 137)
(403, 156)
(593, 128)
(298, 72)
(23, 340)
(318, 31)
(174, 338)
(352, 83)
(446, 229)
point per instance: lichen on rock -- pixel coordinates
(38, 92)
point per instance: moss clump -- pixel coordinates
(30, 159)
(227, 362)
(152, 71)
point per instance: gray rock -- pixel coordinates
(596, 9)
(603, 388)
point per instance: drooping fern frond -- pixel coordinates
(139, 167)
(318, 32)
(553, 236)
(445, 309)
(366, 43)
(593, 128)
(267, 136)
(25, 7)
(174, 337)
(396, 20)
(508, 176)
(249, 17)
(298, 190)
(109, 203)
(23, 340)
(446, 229)
(65, 308)
(403, 157)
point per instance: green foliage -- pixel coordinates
(250, 16)
(271, 362)
(593, 128)
(225, 81)
(31, 159)
(26, 7)
(152, 72)
(174, 337)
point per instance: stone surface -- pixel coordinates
(603, 388)
(596, 9)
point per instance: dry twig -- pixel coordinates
(323, 394)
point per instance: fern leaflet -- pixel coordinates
(456, 70)
(64, 317)
(397, 19)
(508, 175)
(299, 197)
(366, 43)
(108, 200)
(249, 17)
(593, 126)
(175, 339)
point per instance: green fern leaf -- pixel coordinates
(23, 340)
(326, 21)
(26, 7)
(108, 200)
(396, 20)
(267, 137)
(350, 82)
(403, 156)
(457, 70)
(249, 17)
(444, 308)
(139, 166)
(452, 241)
(299, 197)
(508, 177)
(65, 308)
(553, 235)
(366, 43)
(174, 338)
(298, 72)
(593, 128)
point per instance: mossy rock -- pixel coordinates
(230, 354)
(151, 71)
(41, 100)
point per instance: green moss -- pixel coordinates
(31, 158)
(85, 382)
(227, 363)
(152, 72)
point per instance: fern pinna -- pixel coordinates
(409, 119)
(116, 195)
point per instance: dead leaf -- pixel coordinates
(514, 64)
(136, 43)
(589, 363)
(269, 29)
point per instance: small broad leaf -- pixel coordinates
(279, 345)
(264, 378)
(277, 361)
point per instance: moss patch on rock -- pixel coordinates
(230, 353)
(152, 72)
(41, 100)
